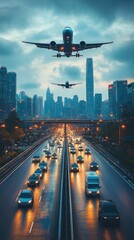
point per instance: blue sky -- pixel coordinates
(44, 21)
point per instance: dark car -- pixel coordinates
(80, 159)
(33, 181)
(80, 148)
(74, 167)
(94, 166)
(47, 154)
(87, 151)
(39, 172)
(108, 213)
(43, 166)
(25, 198)
(36, 159)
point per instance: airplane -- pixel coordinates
(66, 85)
(67, 47)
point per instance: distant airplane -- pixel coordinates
(67, 47)
(66, 85)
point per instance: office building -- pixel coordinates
(119, 97)
(111, 101)
(11, 92)
(3, 92)
(98, 105)
(89, 88)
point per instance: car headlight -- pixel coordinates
(29, 201)
(19, 201)
(117, 217)
(89, 191)
(36, 182)
(28, 182)
(97, 166)
(105, 217)
(98, 192)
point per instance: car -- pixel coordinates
(54, 156)
(74, 167)
(33, 180)
(80, 148)
(51, 144)
(36, 159)
(87, 151)
(59, 145)
(47, 154)
(94, 165)
(43, 166)
(108, 213)
(25, 198)
(39, 172)
(80, 159)
(45, 149)
(72, 150)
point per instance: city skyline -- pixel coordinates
(37, 21)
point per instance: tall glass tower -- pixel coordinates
(89, 88)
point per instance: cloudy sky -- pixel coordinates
(44, 21)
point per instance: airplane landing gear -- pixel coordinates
(58, 55)
(77, 55)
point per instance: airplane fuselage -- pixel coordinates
(67, 39)
(67, 85)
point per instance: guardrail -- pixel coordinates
(11, 165)
(65, 230)
(114, 161)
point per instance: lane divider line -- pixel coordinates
(30, 230)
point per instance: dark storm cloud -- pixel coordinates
(105, 9)
(30, 85)
(8, 48)
(70, 72)
(13, 18)
(123, 53)
(21, 12)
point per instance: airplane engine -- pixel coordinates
(82, 44)
(52, 44)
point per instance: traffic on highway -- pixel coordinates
(101, 199)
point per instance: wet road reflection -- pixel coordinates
(85, 209)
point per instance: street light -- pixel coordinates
(2, 150)
(122, 126)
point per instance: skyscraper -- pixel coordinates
(3, 92)
(119, 97)
(11, 91)
(110, 98)
(89, 88)
(98, 105)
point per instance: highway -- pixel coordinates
(35, 222)
(85, 209)
(40, 222)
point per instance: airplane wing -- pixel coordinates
(73, 84)
(56, 47)
(59, 84)
(78, 47)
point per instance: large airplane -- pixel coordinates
(66, 85)
(68, 47)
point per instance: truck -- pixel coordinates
(92, 184)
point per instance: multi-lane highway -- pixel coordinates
(35, 222)
(41, 221)
(85, 209)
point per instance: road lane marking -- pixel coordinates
(18, 195)
(114, 169)
(40, 199)
(30, 230)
